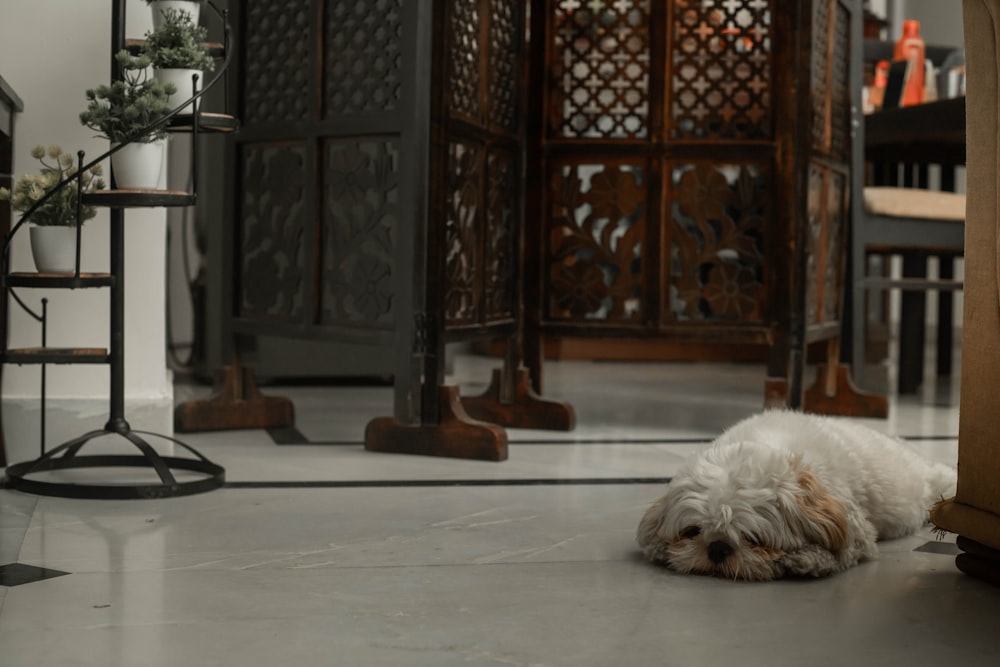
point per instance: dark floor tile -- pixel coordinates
(15, 574)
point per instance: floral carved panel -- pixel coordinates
(272, 227)
(599, 77)
(276, 78)
(827, 218)
(720, 69)
(816, 255)
(500, 248)
(362, 56)
(360, 217)
(463, 227)
(595, 232)
(718, 214)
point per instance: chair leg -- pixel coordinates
(912, 337)
(946, 314)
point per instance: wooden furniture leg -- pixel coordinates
(834, 392)
(456, 434)
(236, 404)
(522, 409)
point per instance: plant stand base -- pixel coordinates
(212, 476)
(834, 393)
(456, 434)
(526, 410)
(237, 404)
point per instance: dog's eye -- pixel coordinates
(751, 540)
(691, 532)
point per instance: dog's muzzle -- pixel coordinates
(719, 551)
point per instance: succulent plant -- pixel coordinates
(125, 110)
(60, 208)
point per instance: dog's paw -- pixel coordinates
(810, 561)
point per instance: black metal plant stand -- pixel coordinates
(67, 456)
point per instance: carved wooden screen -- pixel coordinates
(316, 193)
(378, 198)
(685, 182)
(481, 188)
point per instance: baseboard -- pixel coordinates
(68, 418)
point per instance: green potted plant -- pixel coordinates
(160, 7)
(177, 51)
(52, 229)
(122, 112)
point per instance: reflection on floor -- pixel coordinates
(320, 553)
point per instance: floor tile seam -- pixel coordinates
(329, 567)
(10, 553)
(445, 483)
(598, 441)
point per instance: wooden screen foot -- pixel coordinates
(775, 393)
(456, 435)
(528, 409)
(834, 393)
(236, 404)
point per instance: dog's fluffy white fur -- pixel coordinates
(789, 494)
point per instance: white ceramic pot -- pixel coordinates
(158, 7)
(137, 166)
(53, 247)
(183, 81)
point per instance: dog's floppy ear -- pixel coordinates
(824, 518)
(651, 523)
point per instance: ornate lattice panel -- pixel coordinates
(600, 73)
(831, 74)
(272, 228)
(820, 79)
(501, 238)
(462, 231)
(464, 77)
(840, 85)
(595, 233)
(276, 63)
(362, 56)
(360, 217)
(719, 69)
(505, 79)
(718, 215)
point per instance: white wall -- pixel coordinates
(940, 20)
(51, 51)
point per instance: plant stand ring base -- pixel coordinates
(212, 477)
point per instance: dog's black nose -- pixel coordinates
(718, 551)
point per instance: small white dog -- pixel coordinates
(790, 494)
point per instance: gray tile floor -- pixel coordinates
(527, 562)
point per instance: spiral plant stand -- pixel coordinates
(27, 476)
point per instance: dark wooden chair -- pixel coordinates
(899, 215)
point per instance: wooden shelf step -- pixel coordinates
(215, 49)
(59, 280)
(207, 122)
(139, 198)
(56, 355)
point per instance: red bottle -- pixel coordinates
(911, 47)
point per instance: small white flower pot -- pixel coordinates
(53, 247)
(159, 6)
(183, 81)
(137, 166)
